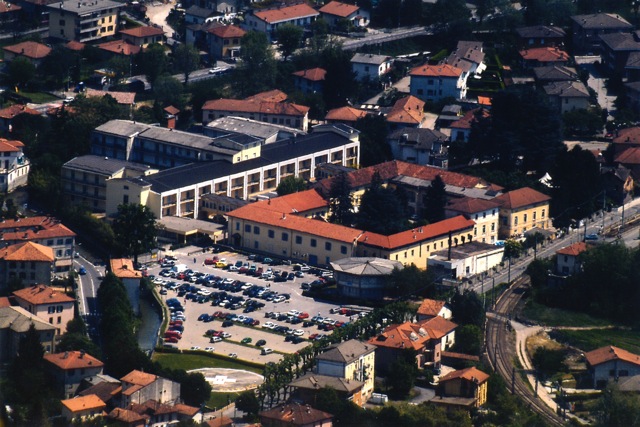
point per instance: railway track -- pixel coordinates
(501, 350)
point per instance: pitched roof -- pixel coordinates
(227, 31)
(469, 117)
(369, 58)
(8, 146)
(621, 41)
(312, 74)
(609, 353)
(20, 320)
(6, 7)
(104, 390)
(407, 110)
(366, 266)
(17, 109)
(629, 136)
(555, 72)
(633, 61)
(630, 156)
(124, 98)
(296, 414)
(346, 352)
(126, 416)
(467, 55)
(120, 47)
(138, 378)
(220, 421)
(32, 228)
(27, 251)
(422, 138)
(73, 360)
(431, 307)
(143, 31)
(470, 374)
(567, 89)
(29, 49)
(298, 202)
(41, 294)
(339, 9)
(413, 335)
(471, 205)
(84, 403)
(274, 95)
(316, 382)
(573, 250)
(544, 54)
(345, 114)
(75, 45)
(123, 268)
(441, 70)
(287, 13)
(540, 31)
(601, 21)
(521, 197)
(250, 106)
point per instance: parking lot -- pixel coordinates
(232, 293)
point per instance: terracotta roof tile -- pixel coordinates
(84, 403)
(29, 49)
(124, 98)
(407, 110)
(521, 197)
(138, 378)
(274, 95)
(5, 302)
(126, 416)
(33, 228)
(630, 156)
(286, 13)
(461, 356)
(294, 203)
(442, 70)
(431, 307)
(606, 354)
(438, 326)
(312, 74)
(470, 374)
(413, 335)
(143, 31)
(470, 205)
(186, 409)
(41, 294)
(73, 360)
(17, 109)
(629, 136)
(469, 117)
(123, 268)
(574, 249)
(221, 421)
(120, 47)
(75, 45)
(339, 9)
(544, 54)
(171, 110)
(27, 251)
(345, 114)
(6, 7)
(250, 106)
(227, 31)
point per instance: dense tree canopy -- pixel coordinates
(381, 210)
(135, 229)
(340, 201)
(257, 71)
(435, 201)
(291, 184)
(289, 39)
(186, 59)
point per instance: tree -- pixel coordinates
(258, 68)
(469, 339)
(512, 248)
(411, 280)
(468, 309)
(380, 209)
(581, 122)
(20, 71)
(374, 148)
(548, 362)
(340, 201)
(248, 402)
(195, 389)
(617, 409)
(402, 377)
(186, 59)
(435, 201)
(339, 83)
(135, 229)
(289, 38)
(169, 91)
(154, 62)
(121, 66)
(291, 184)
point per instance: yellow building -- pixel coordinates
(522, 210)
(350, 360)
(84, 21)
(467, 384)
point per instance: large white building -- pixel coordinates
(435, 82)
(14, 166)
(268, 21)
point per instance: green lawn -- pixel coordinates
(590, 339)
(39, 97)
(195, 361)
(558, 317)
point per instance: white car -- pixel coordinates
(215, 339)
(210, 349)
(279, 298)
(195, 347)
(294, 313)
(225, 335)
(204, 292)
(269, 325)
(298, 332)
(233, 355)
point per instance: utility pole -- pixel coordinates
(604, 207)
(509, 274)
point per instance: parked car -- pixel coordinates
(266, 350)
(246, 340)
(260, 343)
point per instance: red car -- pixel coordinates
(211, 261)
(172, 340)
(303, 315)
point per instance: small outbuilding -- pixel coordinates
(363, 277)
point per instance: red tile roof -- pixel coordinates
(84, 403)
(521, 197)
(29, 49)
(221, 421)
(122, 98)
(431, 307)
(33, 228)
(250, 106)
(123, 268)
(143, 31)
(73, 360)
(27, 251)
(6, 7)
(41, 294)
(628, 136)
(573, 250)
(10, 146)
(413, 335)
(120, 47)
(227, 31)
(312, 74)
(607, 354)
(339, 9)
(295, 414)
(75, 45)
(470, 374)
(470, 205)
(138, 378)
(407, 110)
(461, 356)
(128, 417)
(294, 203)
(345, 114)
(5, 302)
(544, 54)
(171, 110)
(630, 156)
(17, 109)
(469, 117)
(287, 13)
(273, 95)
(442, 70)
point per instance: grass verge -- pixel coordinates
(39, 97)
(550, 316)
(590, 339)
(196, 361)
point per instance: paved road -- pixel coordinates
(385, 36)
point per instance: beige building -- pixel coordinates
(83, 408)
(143, 36)
(68, 369)
(123, 269)
(14, 325)
(485, 213)
(468, 385)
(138, 387)
(84, 21)
(28, 261)
(522, 210)
(48, 304)
(281, 113)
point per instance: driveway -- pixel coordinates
(157, 13)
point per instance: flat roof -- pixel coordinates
(103, 165)
(187, 226)
(85, 7)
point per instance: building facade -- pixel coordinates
(435, 82)
(522, 210)
(370, 67)
(48, 304)
(268, 21)
(15, 322)
(84, 21)
(68, 369)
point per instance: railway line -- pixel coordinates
(501, 350)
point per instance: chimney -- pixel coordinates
(66, 355)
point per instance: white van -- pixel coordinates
(179, 268)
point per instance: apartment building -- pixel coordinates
(522, 210)
(15, 322)
(28, 261)
(48, 304)
(14, 165)
(268, 21)
(68, 369)
(281, 113)
(435, 82)
(84, 21)
(485, 214)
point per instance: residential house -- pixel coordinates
(45, 231)
(629, 159)
(305, 389)
(587, 30)
(435, 82)
(171, 116)
(14, 166)
(363, 278)
(48, 304)
(449, 114)
(522, 210)
(123, 269)
(15, 322)
(198, 20)
(119, 48)
(8, 114)
(609, 363)
(632, 71)
(197, 15)
(139, 387)
(224, 41)
(143, 36)
(350, 360)
(568, 258)
(84, 21)
(295, 415)
(336, 14)
(369, 67)
(554, 73)
(269, 20)
(465, 388)
(69, 369)
(346, 115)
(153, 414)
(543, 56)
(82, 408)
(427, 339)
(568, 95)
(461, 128)
(616, 49)
(430, 308)
(177, 192)
(484, 212)
(221, 421)
(10, 14)
(468, 56)
(84, 179)
(421, 146)
(31, 51)
(282, 113)
(618, 182)
(407, 112)
(540, 36)
(104, 386)
(465, 260)
(127, 417)
(310, 80)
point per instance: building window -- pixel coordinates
(515, 220)
(51, 309)
(327, 246)
(256, 230)
(314, 243)
(343, 249)
(298, 240)
(271, 234)
(524, 219)
(59, 309)
(285, 237)
(247, 228)
(542, 215)
(237, 226)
